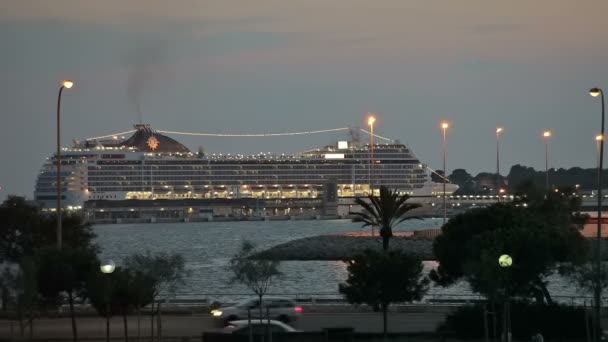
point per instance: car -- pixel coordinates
(282, 309)
(258, 327)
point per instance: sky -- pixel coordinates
(275, 66)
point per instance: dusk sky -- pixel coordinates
(275, 66)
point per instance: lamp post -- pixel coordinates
(107, 267)
(444, 127)
(505, 261)
(498, 131)
(370, 122)
(67, 84)
(598, 258)
(546, 136)
(598, 138)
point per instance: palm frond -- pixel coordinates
(384, 211)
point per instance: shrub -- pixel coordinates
(555, 322)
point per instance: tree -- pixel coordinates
(471, 242)
(19, 291)
(257, 275)
(18, 221)
(122, 291)
(24, 230)
(64, 273)
(166, 272)
(465, 181)
(437, 176)
(379, 279)
(384, 212)
(585, 275)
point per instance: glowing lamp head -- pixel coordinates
(107, 266)
(595, 92)
(599, 137)
(67, 84)
(444, 125)
(498, 130)
(505, 260)
(371, 120)
(546, 134)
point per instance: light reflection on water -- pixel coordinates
(208, 247)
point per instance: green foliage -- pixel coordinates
(381, 278)
(465, 182)
(377, 279)
(585, 178)
(256, 274)
(18, 221)
(64, 272)
(123, 289)
(26, 287)
(471, 243)
(437, 176)
(523, 176)
(19, 293)
(384, 212)
(555, 322)
(585, 276)
(165, 271)
(24, 230)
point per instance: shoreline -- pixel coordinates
(344, 246)
(153, 220)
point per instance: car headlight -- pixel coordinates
(216, 313)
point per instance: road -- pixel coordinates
(93, 327)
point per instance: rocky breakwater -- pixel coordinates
(345, 246)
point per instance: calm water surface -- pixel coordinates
(208, 247)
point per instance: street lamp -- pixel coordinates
(498, 131)
(444, 127)
(67, 84)
(370, 122)
(598, 139)
(546, 136)
(505, 261)
(595, 92)
(107, 267)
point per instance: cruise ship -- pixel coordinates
(150, 166)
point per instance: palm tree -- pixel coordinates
(384, 212)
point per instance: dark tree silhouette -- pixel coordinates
(384, 212)
(379, 279)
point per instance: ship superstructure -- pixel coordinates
(149, 165)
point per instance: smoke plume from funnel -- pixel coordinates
(146, 65)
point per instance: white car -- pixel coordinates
(282, 309)
(258, 326)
